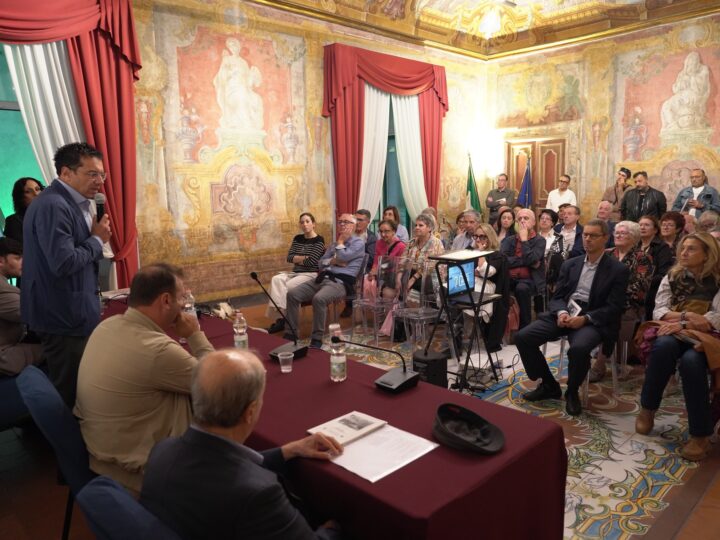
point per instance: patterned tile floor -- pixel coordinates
(618, 481)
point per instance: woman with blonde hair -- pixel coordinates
(687, 311)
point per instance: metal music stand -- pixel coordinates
(469, 299)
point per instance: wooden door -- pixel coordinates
(547, 163)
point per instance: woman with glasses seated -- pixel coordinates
(687, 311)
(392, 212)
(485, 239)
(388, 246)
(304, 253)
(626, 250)
(423, 245)
(671, 230)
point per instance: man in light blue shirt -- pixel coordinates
(339, 267)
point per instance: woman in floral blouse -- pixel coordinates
(628, 251)
(423, 245)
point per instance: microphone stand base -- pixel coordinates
(396, 380)
(299, 351)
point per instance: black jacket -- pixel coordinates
(654, 204)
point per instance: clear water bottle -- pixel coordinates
(338, 359)
(240, 335)
(189, 308)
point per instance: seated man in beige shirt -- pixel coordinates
(134, 380)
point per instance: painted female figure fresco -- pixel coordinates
(685, 109)
(241, 106)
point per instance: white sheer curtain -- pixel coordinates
(377, 120)
(409, 152)
(43, 81)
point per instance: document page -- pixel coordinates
(382, 452)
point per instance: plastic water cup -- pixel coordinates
(286, 361)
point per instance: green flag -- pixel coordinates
(473, 200)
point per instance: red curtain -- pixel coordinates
(343, 101)
(104, 58)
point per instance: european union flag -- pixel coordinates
(525, 197)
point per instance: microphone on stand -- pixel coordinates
(395, 380)
(299, 351)
(100, 205)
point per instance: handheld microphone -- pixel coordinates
(395, 380)
(100, 205)
(299, 351)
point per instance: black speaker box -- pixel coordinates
(432, 367)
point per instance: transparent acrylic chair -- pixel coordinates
(418, 307)
(377, 299)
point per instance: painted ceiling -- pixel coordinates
(495, 28)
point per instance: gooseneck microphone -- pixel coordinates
(298, 351)
(100, 205)
(395, 380)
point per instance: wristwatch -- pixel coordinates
(683, 320)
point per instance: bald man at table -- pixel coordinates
(208, 484)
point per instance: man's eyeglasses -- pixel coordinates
(345, 222)
(94, 175)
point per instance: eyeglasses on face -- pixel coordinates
(621, 233)
(345, 222)
(95, 176)
(480, 237)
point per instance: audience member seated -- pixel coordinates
(207, 483)
(505, 224)
(690, 223)
(571, 231)
(485, 239)
(642, 200)
(671, 230)
(615, 193)
(687, 305)
(546, 224)
(596, 283)
(464, 240)
(640, 265)
(392, 213)
(388, 246)
(134, 380)
(698, 197)
(423, 245)
(604, 211)
(304, 253)
(339, 267)
(525, 253)
(18, 348)
(24, 191)
(660, 253)
(707, 221)
(363, 218)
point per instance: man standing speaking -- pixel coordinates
(63, 245)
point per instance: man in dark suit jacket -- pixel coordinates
(596, 283)
(63, 245)
(207, 483)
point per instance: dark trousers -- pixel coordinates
(667, 353)
(582, 341)
(63, 354)
(524, 290)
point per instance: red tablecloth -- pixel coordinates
(446, 494)
(518, 493)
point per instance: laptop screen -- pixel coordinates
(456, 283)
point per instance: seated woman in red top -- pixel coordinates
(389, 245)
